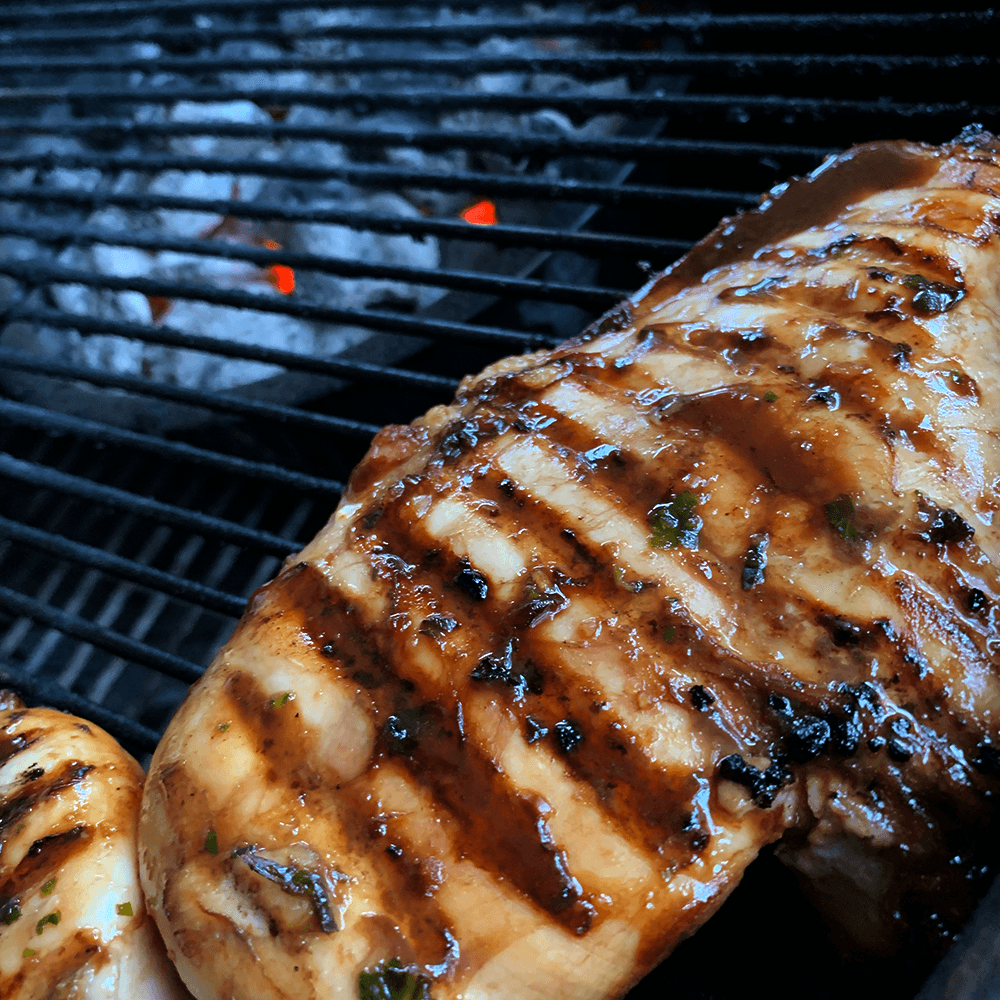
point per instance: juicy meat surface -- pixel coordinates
(573, 649)
(73, 924)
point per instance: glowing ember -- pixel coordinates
(483, 213)
(283, 278)
(158, 308)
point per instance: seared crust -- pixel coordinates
(73, 923)
(573, 649)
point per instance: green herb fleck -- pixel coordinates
(124, 909)
(28, 953)
(668, 633)
(390, 982)
(675, 523)
(840, 513)
(770, 397)
(49, 886)
(632, 586)
(916, 281)
(9, 912)
(223, 726)
(53, 918)
(212, 842)
(279, 700)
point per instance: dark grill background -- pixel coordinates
(126, 552)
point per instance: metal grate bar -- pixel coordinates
(595, 26)
(372, 175)
(22, 361)
(577, 106)
(525, 288)
(142, 9)
(205, 525)
(581, 65)
(168, 337)
(546, 239)
(112, 642)
(37, 273)
(609, 147)
(39, 691)
(107, 562)
(599, 26)
(49, 420)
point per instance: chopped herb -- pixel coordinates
(212, 842)
(390, 982)
(675, 523)
(280, 700)
(632, 585)
(28, 953)
(223, 726)
(52, 918)
(668, 633)
(49, 886)
(840, 513)
(124, 910)
(932, 296)
(9, 912)
(770, 397)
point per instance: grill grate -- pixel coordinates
(168, 434)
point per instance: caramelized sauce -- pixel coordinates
(500, 831)
(801, 204)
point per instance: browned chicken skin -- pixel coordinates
(572, 650)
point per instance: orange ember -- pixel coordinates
(283, 278)
(483, 213)
(158, 308)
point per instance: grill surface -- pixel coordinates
(139, 511)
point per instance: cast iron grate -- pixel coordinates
(254, 143)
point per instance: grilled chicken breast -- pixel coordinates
(73, 924)
(573, 649)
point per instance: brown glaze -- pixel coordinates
(803, 203)
(500, 832)
(721, 570)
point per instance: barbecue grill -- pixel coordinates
(238, 236)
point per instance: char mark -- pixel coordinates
(45, 856)
(497, 829)
(762, 785)
(14, 809)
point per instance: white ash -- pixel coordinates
(211, 372)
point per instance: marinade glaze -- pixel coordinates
(571, 651)
(72, 918)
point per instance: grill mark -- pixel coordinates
(641, 801)
(746, 426)
(278, 735)
(60, 970)
(11, 744)
(921, 607)
(500, 831)
(71, 773)
(45, 856)
(646, 797)
(727, 666)
(658, 811)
